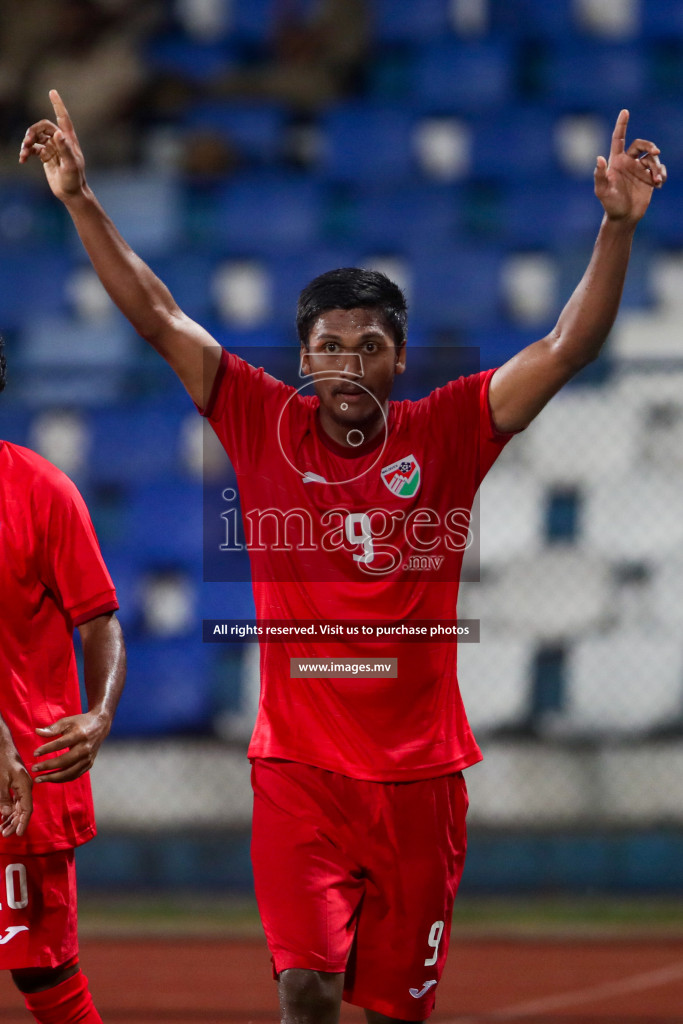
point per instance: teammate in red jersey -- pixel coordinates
(359, 815)
(52, 580)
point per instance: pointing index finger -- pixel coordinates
(61, 113)
(619, 134)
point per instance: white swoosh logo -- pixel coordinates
(11, 932)
(418, 993)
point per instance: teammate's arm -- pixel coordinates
(16, 802)
(190, 350)
(79, 737)
(624, 185)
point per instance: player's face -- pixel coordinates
(353, 359)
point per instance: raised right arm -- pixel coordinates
(145, 300)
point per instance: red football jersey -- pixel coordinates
(341, 534)
(52, 579)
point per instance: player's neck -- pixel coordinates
(349, 434)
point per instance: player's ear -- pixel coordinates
(400, 358)
(304, 361)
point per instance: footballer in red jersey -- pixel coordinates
(329, 553)
(52, 580)
(359, 813)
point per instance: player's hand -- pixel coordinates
(79, 738)
(16, 803)
(624, 184)
(58, 148)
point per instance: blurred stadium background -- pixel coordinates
(243, 146)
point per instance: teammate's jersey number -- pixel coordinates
(16, 887)
(435, 933)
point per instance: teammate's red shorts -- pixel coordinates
(38, 911)
(359, 877)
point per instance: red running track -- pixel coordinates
(226, 981)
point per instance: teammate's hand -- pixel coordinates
(624, 184)
(58, 148)
(16, 803)
(79, 737)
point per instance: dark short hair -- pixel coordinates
(352, 288)
(3, 366)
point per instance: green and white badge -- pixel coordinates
(402, 477)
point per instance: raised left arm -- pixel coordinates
(79, 737)
(523, 385)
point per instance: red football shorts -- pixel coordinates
(359, 877)
(37, 910)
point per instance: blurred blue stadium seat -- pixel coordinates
(71, 362)
(497, 345)
(28, 214)
(134, 443)
(640, 287)
(187, 272)
(174, 53)
(429, 366)
(245, 24)
(533, 19)
(15, 420)
(266, 213)
(169, 688)
(125, 575)
(164, 524)
(661, 19)
(547, 213)
(450, 76)
(664, 222)
(292, 272)
(365, 144)
(395, 219)
(517, 145)
(457, 287)
(638, 290)
(662, 122)
(249, 344)
(594, 76)
(227, 601)
(144, 205)
(51, 342)
(252, 21)
(33, 281)
(389, 76)
(405, 21)
(255, 129)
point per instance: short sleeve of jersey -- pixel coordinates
(243, 409)
(463, 413)
(71, 564)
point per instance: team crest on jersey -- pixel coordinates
(402, 477)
